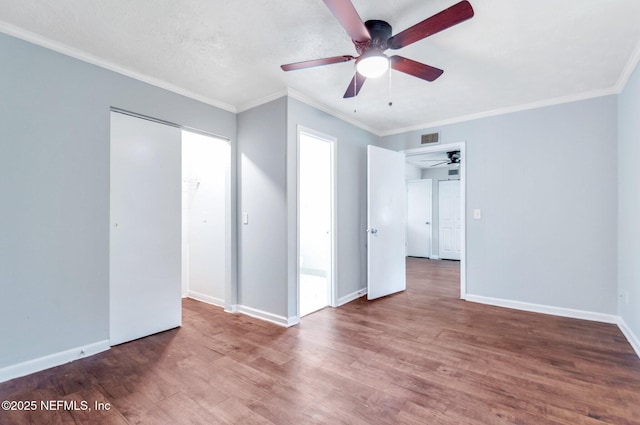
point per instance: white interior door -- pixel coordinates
(386, 221)
(419, 218)
(145, 236)
(450, 234)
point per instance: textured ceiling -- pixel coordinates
(510, 54)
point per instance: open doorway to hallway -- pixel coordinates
(435, 208)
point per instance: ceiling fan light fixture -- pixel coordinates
(372, 65)
(373, 37)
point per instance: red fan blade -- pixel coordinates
(457, 13)
(355, 85)
(348, 17)
(414, 68)
(316, 62)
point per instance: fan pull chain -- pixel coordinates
(389, 87)
(355, 93)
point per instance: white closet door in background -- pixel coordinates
(449, 213)
(145, 236)
(419, 218)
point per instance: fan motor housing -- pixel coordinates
(380, 32)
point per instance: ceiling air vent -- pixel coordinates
(430, 139)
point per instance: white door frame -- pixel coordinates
(463, 218)
(333, 293)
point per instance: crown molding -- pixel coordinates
(504, 111)
(261, 101)
(93, 60)
(631, 65)
(314, 104)
(39, 40)
(294, 94)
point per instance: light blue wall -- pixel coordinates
(262, 140)
(54, 168)
(351, 219)
(546, 181)
(629, 204)
(267, 138)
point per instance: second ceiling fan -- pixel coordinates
(453, 158)
(373, 37)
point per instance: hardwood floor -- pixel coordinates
(418, 357)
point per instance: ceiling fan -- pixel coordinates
(373, 37)
(453, 158)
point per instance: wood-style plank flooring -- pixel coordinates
(418, 357)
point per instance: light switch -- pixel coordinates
(245, 218)
(477, 214)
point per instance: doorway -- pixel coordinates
(205, 183)
(316, 203)
(434, 163)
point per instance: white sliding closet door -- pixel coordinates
(145, 236)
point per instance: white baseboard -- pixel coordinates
(544, 309)
(352, 296)
(206, 298)
(52, 360)
(631, 337)
(269, 317)
(292, 321)
(434, 257)
(236, 308)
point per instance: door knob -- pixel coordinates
(426, 222)
(374, 231)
